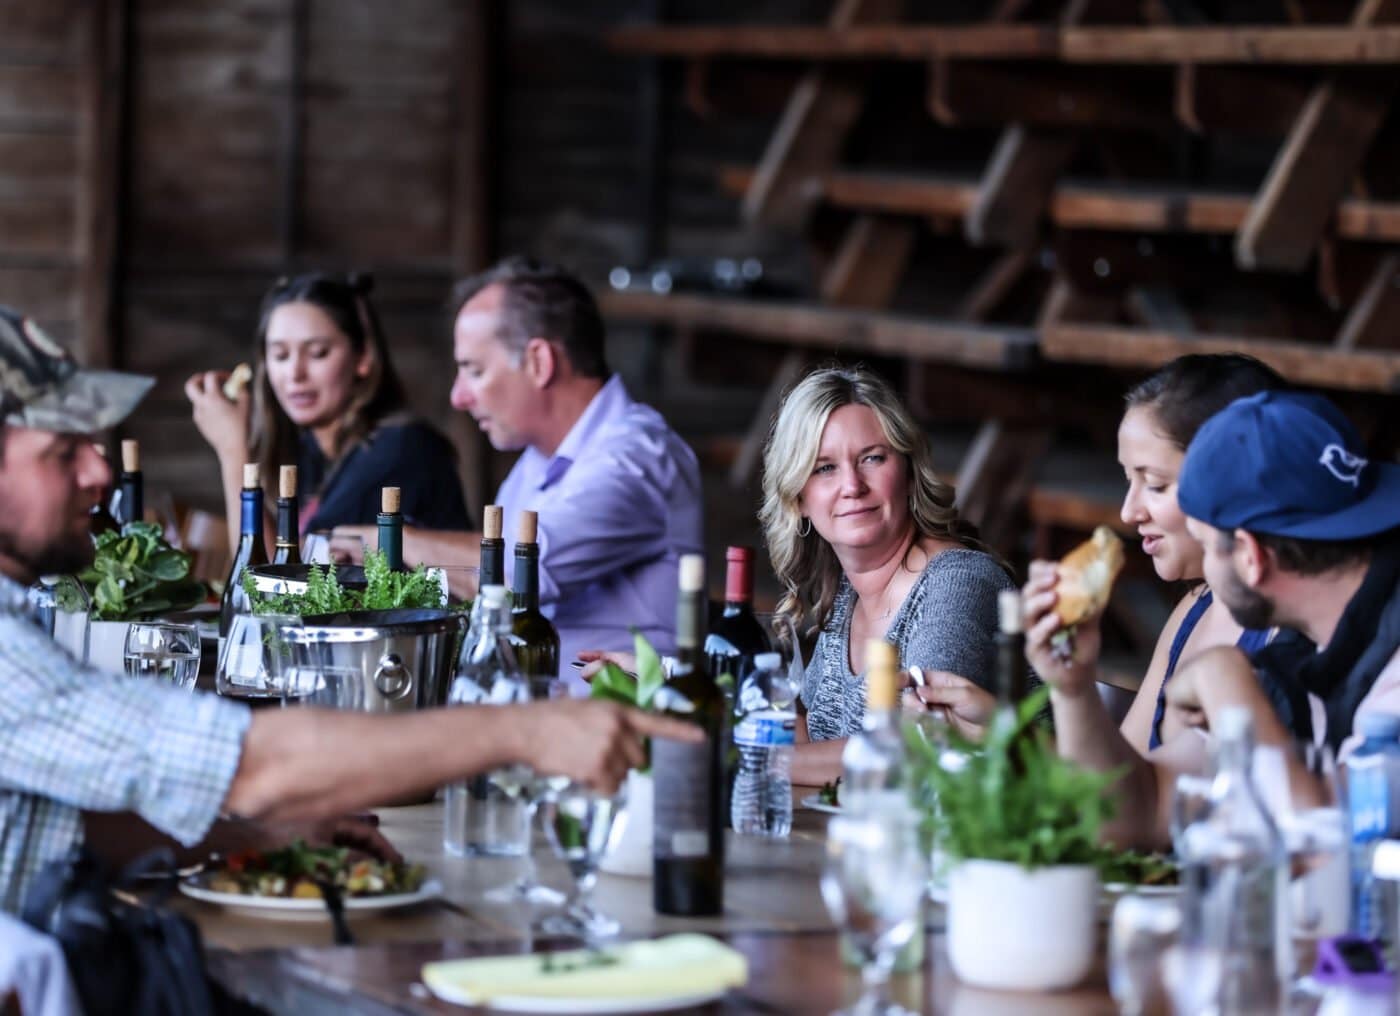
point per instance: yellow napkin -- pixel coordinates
(671, 967)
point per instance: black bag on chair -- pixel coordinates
(124, 956)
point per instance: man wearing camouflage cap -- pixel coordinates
(78, 742)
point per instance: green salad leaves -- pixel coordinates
(136, 574)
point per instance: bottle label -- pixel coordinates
(1369, 802)
(683, 798)
(766, 730)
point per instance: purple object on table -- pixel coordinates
(1350, 960)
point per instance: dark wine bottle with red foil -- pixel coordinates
(735, 636)
(688, 816)
(288, 549)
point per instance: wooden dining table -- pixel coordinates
(773, 915)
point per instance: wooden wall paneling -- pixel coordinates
(1318, 160)
(1374, 319)
(812, 130)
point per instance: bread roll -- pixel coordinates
(237, 381)
(1086, 576)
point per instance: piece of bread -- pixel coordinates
(1086, 576)
(237, 381)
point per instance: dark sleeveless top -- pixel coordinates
(1251, 640)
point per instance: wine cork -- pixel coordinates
(692, 577)
(131, 456)
(881, 666)
(529, 527)
(389, 500)
(251, 478)
(287, 482)
(492, 522)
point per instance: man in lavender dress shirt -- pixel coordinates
(617, 491)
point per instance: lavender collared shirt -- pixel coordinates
(619, 502)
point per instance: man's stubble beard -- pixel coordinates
(57, 558)
(1248, 608)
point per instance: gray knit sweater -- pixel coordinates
(947, 622)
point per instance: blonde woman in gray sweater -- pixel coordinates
(866, 540)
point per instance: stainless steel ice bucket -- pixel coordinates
(405, 658)
(278, 579)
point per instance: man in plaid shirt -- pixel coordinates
(117, 762)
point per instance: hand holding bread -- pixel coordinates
(1063, 602)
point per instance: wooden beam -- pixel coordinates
(1016, 186)
(104, 48)
(1374, 320)
(1079, 205)
(869, 263)
(812, 130)
(995, 476)
(995, 285)
(1250, 44)
(1045, 95)
(1301, 362)
(845, 331)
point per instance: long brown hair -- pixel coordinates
(804, 562)
(273, 439)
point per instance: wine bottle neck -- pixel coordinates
(526, 580)
(391, 539)
(738, 583)
(287, 521)
(1011, 667)
(690, 624)
(251, 520)
(493, 562)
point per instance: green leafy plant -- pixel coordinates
(1013, 798)
(136, 574)
(385, 589)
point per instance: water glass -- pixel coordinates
(255, 658)
(163, 651)
(1141, 931)
(1303, 792)
(458, 582)
(578, 822)
(872, 884)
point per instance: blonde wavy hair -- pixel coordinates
(805, 564)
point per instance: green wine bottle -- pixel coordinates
(533, 635)
(688, 815)
(390, 528)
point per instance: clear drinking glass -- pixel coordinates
(1143, 928)
(578, 822)
(163, 652)
(458, 582)
(255, 658)
(873, 887)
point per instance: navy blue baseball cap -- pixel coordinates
(1287, 464)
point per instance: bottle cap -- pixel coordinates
(251, 476)
(692, 573)
(491, 522)
(131, 456)
(493, 596)
(287, 481)
(1379, 726)
(881, 666)
(768, 661)
(389, 500)
(529, 527)
(1009, 618)
(742, 554)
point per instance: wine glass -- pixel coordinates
(458, 582)
(163, 651)
(578, 822)
(872, 885)
(255, 658)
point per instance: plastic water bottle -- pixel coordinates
(762, 801)
(1235, 878)
(1373, 800)
(489, 814)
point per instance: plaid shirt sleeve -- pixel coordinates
(99, 742)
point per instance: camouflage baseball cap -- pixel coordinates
(42, 386)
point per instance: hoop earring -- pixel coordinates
(804, 532)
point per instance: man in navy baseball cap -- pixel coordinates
(1301, 530)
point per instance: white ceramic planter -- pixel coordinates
(1009, 928)
(629, 846)
(107, 645)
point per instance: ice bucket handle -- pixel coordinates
(392, 678)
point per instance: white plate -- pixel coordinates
(280, 908)
(532, 1003)
(815, 803)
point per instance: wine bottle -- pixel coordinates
(493, 549)
(1011, 665)
(391, 528)
(100, 520)
(251, 550)
(533, 635)
(128, 501)
(688, 821)
(735, 636)
(288, 550)
(872, 763)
